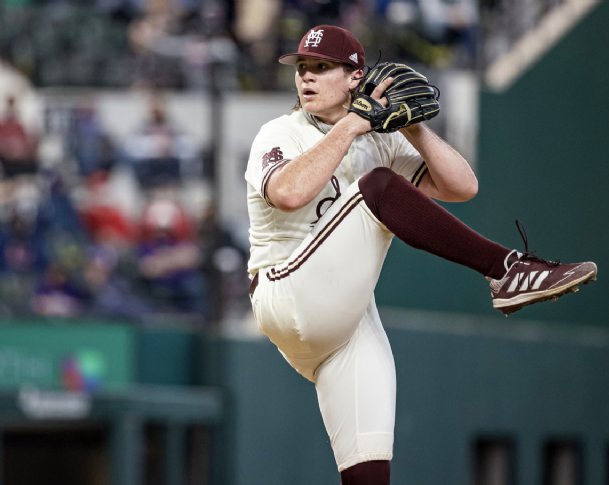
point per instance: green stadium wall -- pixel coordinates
(64, 355)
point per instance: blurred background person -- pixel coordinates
(109, 280)
(57, 293)
(18, 145)
(23, 253)
(169, 260)
(89, 142)
(159, 152)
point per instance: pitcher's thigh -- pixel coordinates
(333, 273)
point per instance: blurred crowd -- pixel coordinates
(195, 44)
(113, 230)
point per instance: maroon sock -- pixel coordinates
(424, 224)
(367, 473)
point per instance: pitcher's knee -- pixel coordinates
(374, 184)
(375, 181)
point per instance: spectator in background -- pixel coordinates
(258, 33)
(111, 290)
(454, 23)
(105, 222)
(22, 235)
(88, 141)
(23, 254)
(58, 211)
(18, 146)
(159, 152)
(64, 235)
(156, 63)
(59, 294)
(169, 259)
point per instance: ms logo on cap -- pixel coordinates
(314, 38)
(328, 42)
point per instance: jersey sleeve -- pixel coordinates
(407, 161)
(272, 148)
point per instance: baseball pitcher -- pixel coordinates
(329, 186)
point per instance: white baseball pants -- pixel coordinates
(318, 308)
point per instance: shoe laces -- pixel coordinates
(530, 255)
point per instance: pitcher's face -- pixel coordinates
(324, 87)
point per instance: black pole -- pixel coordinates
(216, 119)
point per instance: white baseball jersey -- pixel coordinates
(274, 234)
(317, 269)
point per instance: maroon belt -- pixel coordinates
(253, 284)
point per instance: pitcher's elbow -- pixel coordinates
(471, 190)
(464, 193)
(288, 201)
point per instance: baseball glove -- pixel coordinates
(411, 99)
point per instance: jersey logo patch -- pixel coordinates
(324, 204)
(274, 156)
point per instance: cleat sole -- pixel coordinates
(509, 306)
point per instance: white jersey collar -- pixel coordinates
(321, 126)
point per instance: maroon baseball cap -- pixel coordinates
(329, 42)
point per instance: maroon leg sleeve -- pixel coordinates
(367, 473)
(424, 224)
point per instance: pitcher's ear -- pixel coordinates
(356, 77)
